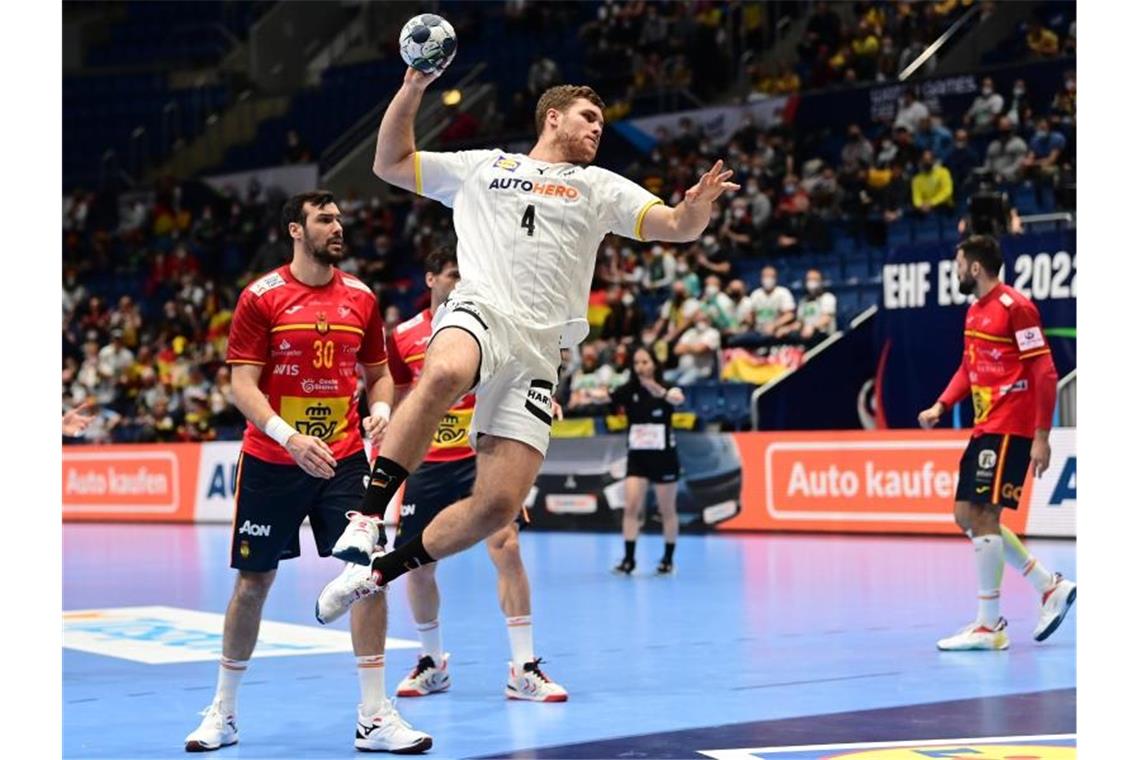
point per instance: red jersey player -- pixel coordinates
(447, 477)
(1008, 369)
(297, 337)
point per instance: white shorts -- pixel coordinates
(517, 372)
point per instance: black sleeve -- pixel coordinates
(620, 399)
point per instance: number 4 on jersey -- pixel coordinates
(528, 220)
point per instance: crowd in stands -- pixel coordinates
(149, 285)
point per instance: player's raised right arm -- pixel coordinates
(396, 140)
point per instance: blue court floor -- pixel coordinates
(760, 647)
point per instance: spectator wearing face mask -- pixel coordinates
(712, 258)
(815, 315)
(741, 308)
(1017, 101)
(1042, 163)
(932, 136)
(759, 206)
(676, 314)
(737, 229)
(772, 308)
(624, 318)
(660, 269)
(932, 188)
(790, 213)
(717, 305)
(984, 112)
(696, 352)
(1005, 154)
(911, 112)
(961, 160)
(589, 386)
(1064, 105)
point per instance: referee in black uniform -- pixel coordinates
(648, 406)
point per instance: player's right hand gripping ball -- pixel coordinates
(427, 43)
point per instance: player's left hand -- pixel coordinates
(711, 185)
(374, 428)
(1039, 454)
(557, 410)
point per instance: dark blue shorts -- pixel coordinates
(274, 499)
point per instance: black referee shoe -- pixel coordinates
(625, 567)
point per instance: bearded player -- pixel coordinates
(528, 231)
(1008, 369)
(298, 336)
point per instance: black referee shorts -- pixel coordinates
(274, 499)
(993, 470)
(654, 466)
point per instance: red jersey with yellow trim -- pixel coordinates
(407, 345)
(1003, 329)
(308, 341)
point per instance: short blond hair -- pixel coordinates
(560, 98)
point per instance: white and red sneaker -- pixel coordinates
(976, 636)
(1055, 604)
(359, 539)
(218, 729)
(530, 683)
(426, 678)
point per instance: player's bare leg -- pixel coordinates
(451, 368)
(430, 674)
(525, 679)
(635, 489)
(378, 725)
(667, 507)
(505, 471)
(982, 523)
(239, 637)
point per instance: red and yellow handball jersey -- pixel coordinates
(407, 345)
(1003, 339)
(308, 341)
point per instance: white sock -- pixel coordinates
(370, 670)
(431, 640)
(988, 556)
(229, 677)
(521, 634)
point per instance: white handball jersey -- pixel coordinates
(529, 230)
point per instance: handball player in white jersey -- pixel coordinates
(528, 230)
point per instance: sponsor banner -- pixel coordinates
(865, 482)
(290, 179)
(162, 635)
(129, 482)
(217, 479)
(716, 124)
(1053, 505)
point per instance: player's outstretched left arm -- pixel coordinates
(688, 219)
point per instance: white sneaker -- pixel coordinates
(385, 731)
(532, 684)
(426, 678)
(1055, 604)
(977, 636)
(354, 582)
(359, 539)
(216, 730)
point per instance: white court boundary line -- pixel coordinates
(750, 753)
